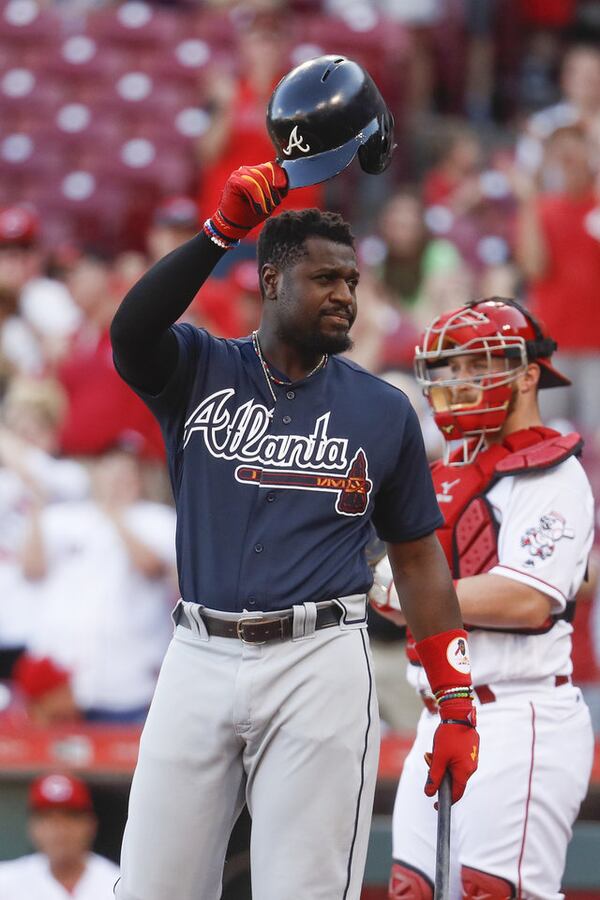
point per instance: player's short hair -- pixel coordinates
(282, 240)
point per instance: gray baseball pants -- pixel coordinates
(289, 727)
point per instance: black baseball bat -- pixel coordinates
(442, 854)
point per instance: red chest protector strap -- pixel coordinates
(469, 534)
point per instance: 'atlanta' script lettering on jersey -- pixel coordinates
(281, 461)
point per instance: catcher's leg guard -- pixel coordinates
(407, 883)
(482, 884)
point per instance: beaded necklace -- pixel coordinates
(272, 379)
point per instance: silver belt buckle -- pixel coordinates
(249, 620)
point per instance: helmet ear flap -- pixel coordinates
(376, 153)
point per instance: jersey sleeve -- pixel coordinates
(192, 362)
(406, 507)
(546, 532)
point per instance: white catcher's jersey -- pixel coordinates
(546, 527)
(30, 877)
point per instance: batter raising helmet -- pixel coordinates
(284, 457)
(323, 113)
(492, 329)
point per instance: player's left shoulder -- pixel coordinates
(565, 486)
(569, 474)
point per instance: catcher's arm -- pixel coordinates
(383, 595)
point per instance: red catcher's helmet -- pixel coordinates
(496, 327)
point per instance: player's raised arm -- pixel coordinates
(145, 350)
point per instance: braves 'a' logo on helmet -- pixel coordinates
(296, 141)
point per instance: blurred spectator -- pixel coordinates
(101, 406)
(62, 828)
(424, 275)
(580, 82)
(30, 472)
(127, 268)
(230, 306)
(454, 182)
(237, 104)
(480, 21)
(175, 221)
(558, 248)
(45, 691)
(103, 571)
(46, 311)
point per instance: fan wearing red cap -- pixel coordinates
(62, 828)
(518, 528)
(46, 690)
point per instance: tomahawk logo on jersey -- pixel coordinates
(241, 433)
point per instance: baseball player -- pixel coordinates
(281, 455)
(62, 827)
(518, 523)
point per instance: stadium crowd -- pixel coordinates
(118, 125)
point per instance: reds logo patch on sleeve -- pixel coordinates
(541, 539)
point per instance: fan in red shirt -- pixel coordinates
(238, 130)
(101, 406)
(558, 248)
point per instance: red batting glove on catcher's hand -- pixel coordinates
(250, 195)
(445, 658)
(455, 747)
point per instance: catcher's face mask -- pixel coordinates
(467, 363)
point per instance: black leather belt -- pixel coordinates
(260, 629)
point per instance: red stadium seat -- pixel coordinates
(22, 155)
(182, 64)
(80, 56)
(136, 23)
(134, 95)
(140, 161)
(215, 27)
(23, 90)
(26, 22)
(81, 205)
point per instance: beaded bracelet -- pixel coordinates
(458, 693)
(217, 238)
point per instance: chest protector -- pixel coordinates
(469, 535)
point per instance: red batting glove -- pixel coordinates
(250, 195)
(445, 658)
(455, 748)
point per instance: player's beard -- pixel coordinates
(306, 337)
(311, 343)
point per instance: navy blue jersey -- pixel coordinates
(275, 501)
